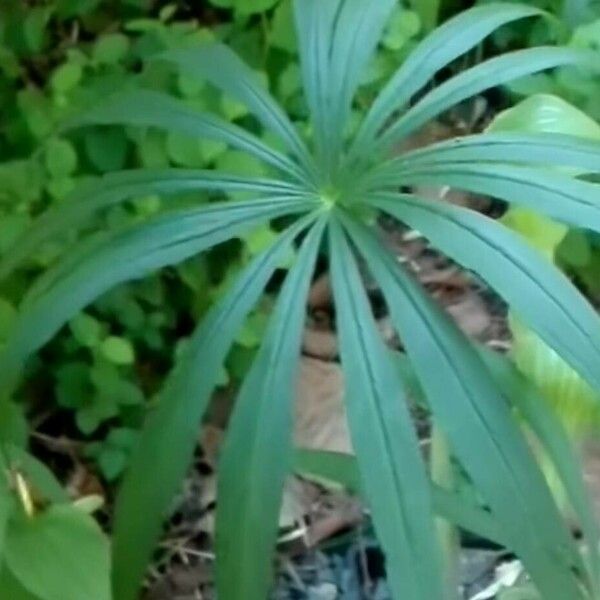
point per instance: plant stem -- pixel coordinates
(442, 474)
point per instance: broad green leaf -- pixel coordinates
(544, 422)
(543, 112)
(115, 188)
(550, 193)
(483, 76)
(14, 428)
(563, 388)
(326, 467)
(125, 254)
(441, 47)
(60, 554)
(36, 473)
(166, 445)
(479, 425)
(536, 291)
(10, 586)
(256, 454)
(219, 65)
(145, 108)
(542, 233)
(392, 471)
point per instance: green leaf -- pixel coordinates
(283, 32)
(37, 474)
(336, 39)
(115, 188)
(475, 80)
(253, 330)
(404, 25)
(86, 330)
(251, 7)
(185, 150)
(543, 234)
(257, 450)
(428, 11)
(112, 461)
(534, 148)
(547, 113)
(326, 467)
(66, 77)
(145, 108)
(12, 588)
(479, 426)
(453, 39)
(14, 428)
(128, 253)
(35, 26)
(110, 48)
(7, 504)
(8, 315)
(118, 350)
(538, 292)
(60, 157)
(168, 439)
(106, 148)
(549, 430)
(387, 448)
(239, 163)
(60, 554)
(314, 25)
(73, 387)
(550, 193)
(220, 66)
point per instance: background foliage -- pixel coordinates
(56, 59)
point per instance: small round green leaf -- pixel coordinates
(66, 77)
(106, 148)
(118, 350)
(60, 158)
(110, 48)
(86, 330)
(283, 32)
